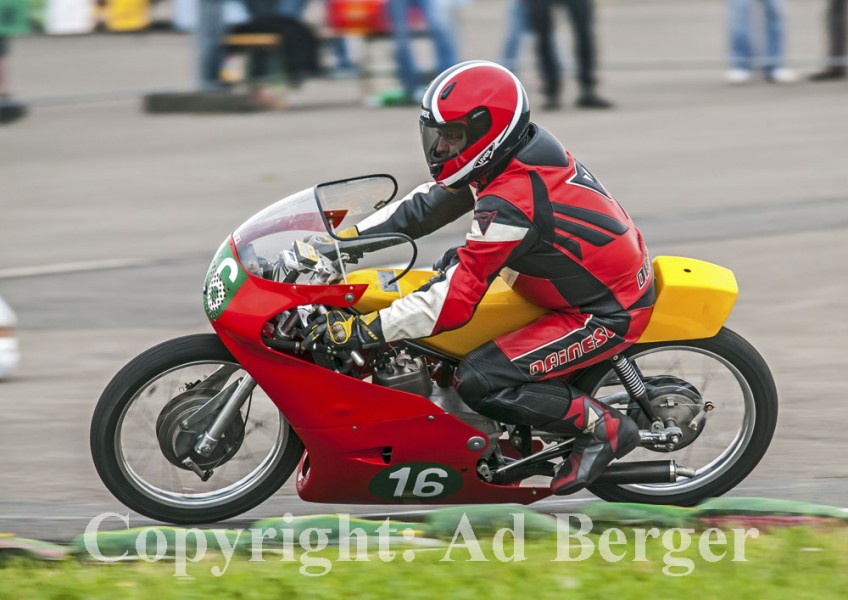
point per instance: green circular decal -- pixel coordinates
(223, 280)
(415, 481)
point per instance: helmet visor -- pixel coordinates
(444, 141)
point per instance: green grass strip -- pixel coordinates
(794, 563)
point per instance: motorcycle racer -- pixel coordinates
(543, 222)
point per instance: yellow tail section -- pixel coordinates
(694, 299)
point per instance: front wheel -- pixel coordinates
(726, 375)
(139, 441)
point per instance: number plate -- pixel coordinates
(416, 481)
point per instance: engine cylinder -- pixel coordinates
(407, 374)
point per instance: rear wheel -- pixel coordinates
(726, 375)
(139, 442)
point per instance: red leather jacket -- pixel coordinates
(567, 243)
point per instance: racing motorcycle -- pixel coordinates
(204, 427)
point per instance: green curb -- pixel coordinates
(487, 520)
(273, 532)
(442, 524)
(11, 546)
(623, 513)
(333, 526)
(717, 507)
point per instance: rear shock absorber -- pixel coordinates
(634, 385)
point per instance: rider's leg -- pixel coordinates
(514, 379)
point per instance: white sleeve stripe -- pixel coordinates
(415, 316)
(385, 213)
(497, 232)
(381, 216)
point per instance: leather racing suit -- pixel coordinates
(550, 228)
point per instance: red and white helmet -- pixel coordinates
(473, 116)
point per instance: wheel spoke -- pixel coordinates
(702, 375)
(140, 450)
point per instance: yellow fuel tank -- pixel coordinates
(500, 311)
(694, 299)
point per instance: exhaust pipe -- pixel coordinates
(652, 471)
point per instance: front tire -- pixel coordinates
(126, 426)
(728, 372)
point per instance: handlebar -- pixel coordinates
(299, 348)
(356, 248)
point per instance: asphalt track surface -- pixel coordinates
(109, 217)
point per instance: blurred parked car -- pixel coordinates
(9, 354)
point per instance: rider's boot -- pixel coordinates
(605, 434)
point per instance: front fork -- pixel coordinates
(238, 394)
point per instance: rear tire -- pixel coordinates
(141, 374)
(733, 350)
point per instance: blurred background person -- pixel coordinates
(14, 20)
(743, 59)
(295, 59)
(581, 18)
(837, 51)
(438, 15)
(344, 66)
(10, 110)
(517, 27)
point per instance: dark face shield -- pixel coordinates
(443, 142)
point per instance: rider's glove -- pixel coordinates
(323, 240)
(447, 260)
(326, 245)
(322, 243)
(343, 331)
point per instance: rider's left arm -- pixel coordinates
(421, 212)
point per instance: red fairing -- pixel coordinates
(240, 329)
(348, 424)
(341, 463)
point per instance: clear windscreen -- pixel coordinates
(302, 239)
